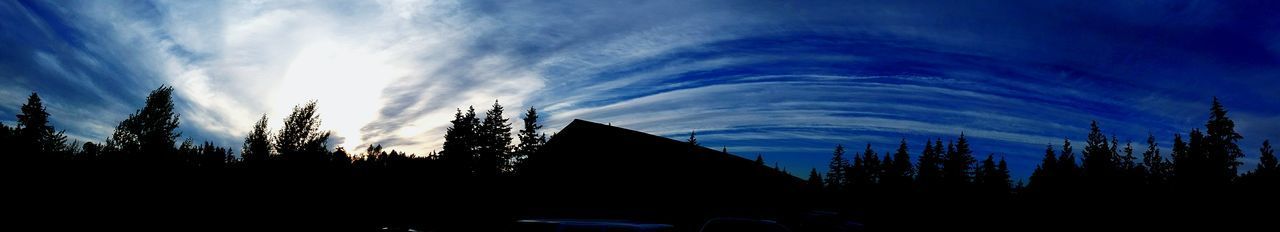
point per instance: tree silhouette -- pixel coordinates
(149, 133)
(530, 139)
(929, 166)
(815, 180)
(993, 178)
(494, 148)
(1068, 171)
(1045, 174)
(1099, 159)
(89, 151)
(957, 166)
(1265, 177)
(300, 140)
(1155, 167)
(898, 171)
(35, 135)
(257, 146)
(460, 142)
(340, 158)
(871, 168)
(1267, 164)
(693, 139)
(1220, 147)
(759, 160)
(836, 170)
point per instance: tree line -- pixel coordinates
(474, 146)
(887, 188)
(1203, 165)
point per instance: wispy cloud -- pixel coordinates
(767, 77)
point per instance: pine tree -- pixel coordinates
(1068, 170)
(856, 177)
(871, 165)
(898, 169)
(990, 179)
(928, 166)
(1155, 167)
(257, 146)
(836, 172)
(149, 133)
(300, 139)
(1181, 166)
(1002, 179)
(1043, 179)
(957, 167)
(530, 139)
(815, 180)
(1099, 165)
(1267, 163)
(35, 134)
(1132, 174)
(460, 142)
(6, 135)
(495, 143)
(1221, 151)
(759, 160)
(693, 139)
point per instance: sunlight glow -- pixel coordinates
(346, 80)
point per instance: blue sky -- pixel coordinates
(785, 79)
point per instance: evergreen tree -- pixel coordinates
(759, 160)
(815, 180)
(149, 133)
(957, 166)
(1098, 163)
(1132, 174)
(871, 165)
(1221, 152)
(836, 176)
(494, 149)
(257, 146)
(460, 142)
(993, 179)
(300, 139)
(897, 169)
(6, 135)
(530, 139)
(693, 139)
(35, 134)
(1044, 177)
(1180, 167)
(928, 166)
(1267, 164)
(1155, 167)
(1068, 170)
(856, 176)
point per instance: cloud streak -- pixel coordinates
(785, 78)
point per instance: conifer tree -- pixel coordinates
(495, 143)
(460, 142)
(928, 167)
(530, 139)
(836, 170)
(35, 135)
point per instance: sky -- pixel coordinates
(787, 80)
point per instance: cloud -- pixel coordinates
(782, 77)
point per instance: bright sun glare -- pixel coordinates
(346, 80)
